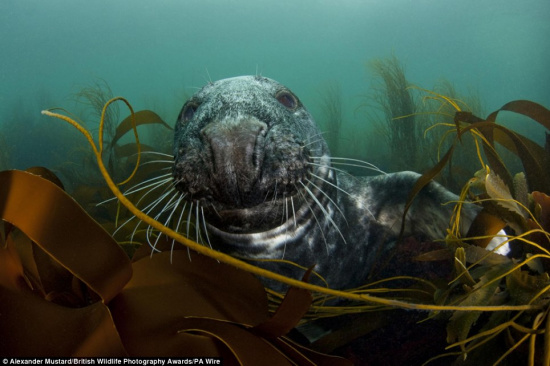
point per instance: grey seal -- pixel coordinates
(252, 163)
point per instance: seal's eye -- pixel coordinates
(188, 111)
(287, 99)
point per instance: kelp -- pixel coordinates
(534, 157)
(350, 295)
(67, 289)
(484, 277)
(209, 317)
(401, 125)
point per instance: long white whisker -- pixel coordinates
(340, 189)
(320, 134)
(150, 182)
(197, 227)
(327, 215)
(189, 220)
(363, 164)
(331, 167)
(283, 214)
(205, 229)
(332, 184)
(177, 229)
(145, 208)
(330, 199)
(312, 142)
(135, 229)
(293, 211)
(315, 217)
(155, 153)
(157, 162)
(168, 205)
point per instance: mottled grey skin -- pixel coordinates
(246, 148)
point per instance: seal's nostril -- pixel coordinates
(236, 146)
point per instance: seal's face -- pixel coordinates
(243, 146)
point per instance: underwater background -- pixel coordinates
(389, 82)
(156, 54)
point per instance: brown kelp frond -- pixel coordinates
(141, 118)
(63, 278)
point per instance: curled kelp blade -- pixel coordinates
(529, 109)
(167, 287)
(58, 225)
(31, 325)
(141, 118)
(294, 306)
(45, 311)
(194, 305)
(535, 159)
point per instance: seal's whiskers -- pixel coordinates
(332, 184)
(351, 162)
(361, 163)
(325, 212)
(320, 139)
(205, 229)
(134, 189)
(293, 211)
(327, 167)
(169, 205)
(316, 220)
(150, 207)
(153, 187)
(156, 153)
(197, 227)
(178, 228)
(189, 219)
(152, 182)
(285, 213)
(328, 196)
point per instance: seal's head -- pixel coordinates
(243, 146)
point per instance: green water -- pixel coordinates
(156, 53)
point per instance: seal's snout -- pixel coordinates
(237, 153)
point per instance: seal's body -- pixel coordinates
(252, 161)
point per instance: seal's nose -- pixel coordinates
(237, 151)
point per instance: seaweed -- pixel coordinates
(65, 275)
(402, 130)
(484, 277)
(63, 278)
